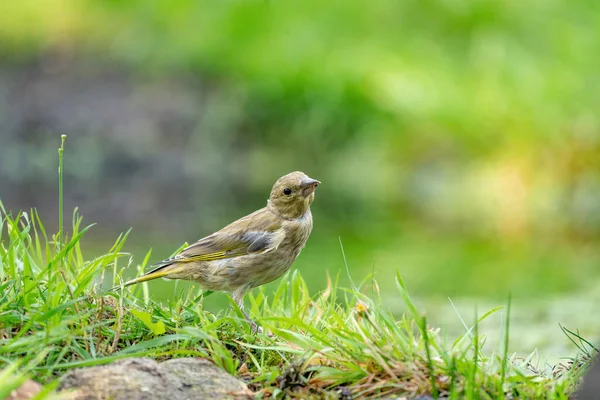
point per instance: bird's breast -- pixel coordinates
(257, 269)
(297, 233)
(269, 266)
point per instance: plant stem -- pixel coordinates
(423, 327)
(504, 351)
(61, 150)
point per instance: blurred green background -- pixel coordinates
(457, 141)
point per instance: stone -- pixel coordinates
(590, 390)
(145, 379)
(26, 391)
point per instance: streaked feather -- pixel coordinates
(243, 237)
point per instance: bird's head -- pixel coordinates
(293, 194)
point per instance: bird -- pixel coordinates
(251, 251)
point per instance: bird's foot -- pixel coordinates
(255, 329)
(259, 330)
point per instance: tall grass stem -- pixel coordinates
(61, 151)
(504, 350)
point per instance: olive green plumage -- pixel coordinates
(251, 251)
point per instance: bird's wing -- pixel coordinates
(259, 232)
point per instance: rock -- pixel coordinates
(590, 389)
(26, 391)
(143, 378)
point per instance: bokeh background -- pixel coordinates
(457, 141)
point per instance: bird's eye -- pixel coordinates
(287, 191)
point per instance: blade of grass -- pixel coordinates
(61, 150)
(425, 334)
(504, 350)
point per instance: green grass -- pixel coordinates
(470, 125)
(56, 315)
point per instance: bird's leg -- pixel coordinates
(238, 297)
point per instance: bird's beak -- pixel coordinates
(308, 186)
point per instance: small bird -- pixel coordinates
(254, 250)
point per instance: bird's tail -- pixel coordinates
(162, 270)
